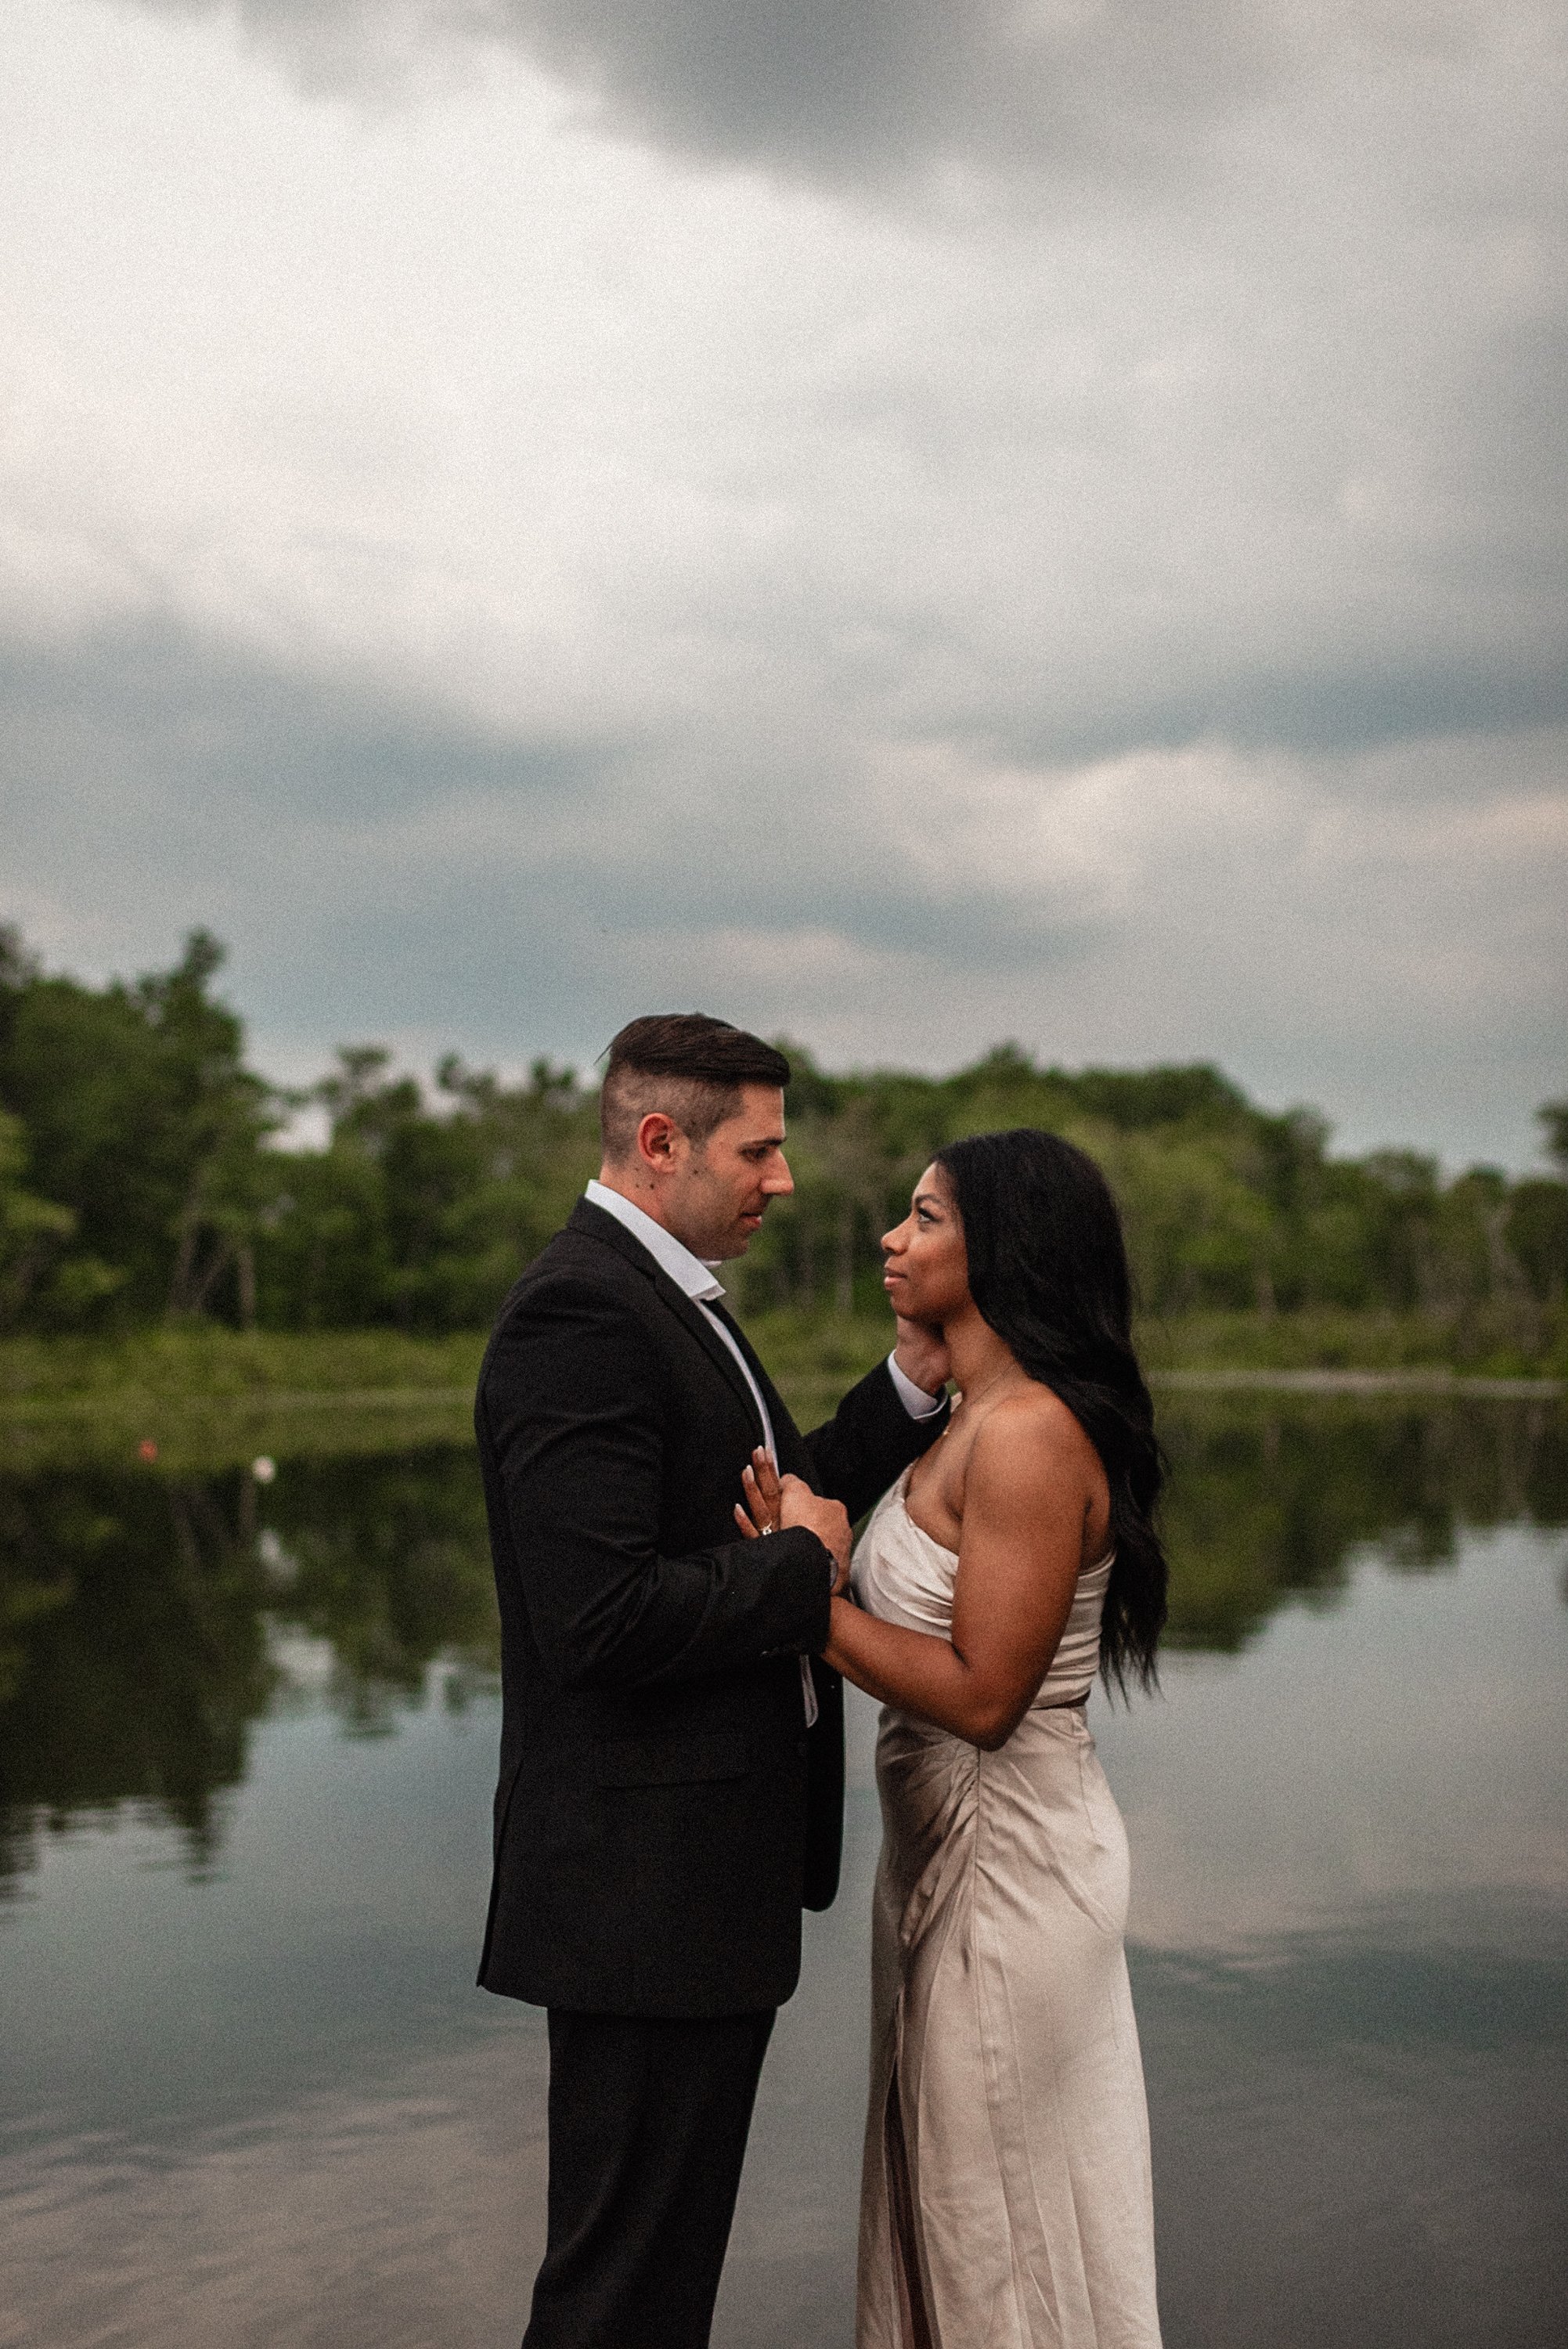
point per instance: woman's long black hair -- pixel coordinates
(1048, 1269)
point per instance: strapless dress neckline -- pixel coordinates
(903, 1575)
(901, 1490)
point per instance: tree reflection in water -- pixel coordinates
(132, 1654)
(139, 1622)
(142, 1618)
(1271, 1500)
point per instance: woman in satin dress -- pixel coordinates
(1006, 2200)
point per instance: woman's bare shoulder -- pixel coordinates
(1029, 1439)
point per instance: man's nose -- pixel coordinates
(778, 1183)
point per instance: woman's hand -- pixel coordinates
(772, 1501)
(764, 1497)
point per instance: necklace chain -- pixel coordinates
(979, 1394)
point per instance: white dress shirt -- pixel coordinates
(695, 1279)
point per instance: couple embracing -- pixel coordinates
(679, 1606)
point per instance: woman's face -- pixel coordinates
(926, 1267)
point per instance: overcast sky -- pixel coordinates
(910, 522)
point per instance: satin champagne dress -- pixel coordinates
(1005, 2197)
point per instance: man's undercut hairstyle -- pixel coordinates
(687, 1065)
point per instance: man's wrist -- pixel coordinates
(915, 1399)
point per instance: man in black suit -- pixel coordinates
(671, 1755)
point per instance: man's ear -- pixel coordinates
(656, 1137)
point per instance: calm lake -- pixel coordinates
(249, 2095)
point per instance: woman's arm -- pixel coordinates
(1032, 1478)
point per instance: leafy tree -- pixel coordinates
(32, 1230)
(1536, 1235)
(144, 1124)
(419, 1216)
(140, 1176)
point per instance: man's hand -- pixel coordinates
(921, 1355)
(772, 1501)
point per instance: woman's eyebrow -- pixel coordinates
(926, 1199)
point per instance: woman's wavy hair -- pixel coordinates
(1048, 1269)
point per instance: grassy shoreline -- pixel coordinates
(210, 1399)
(806, 1352)
(202, 1365)
(211, 1363)
(207, 1400)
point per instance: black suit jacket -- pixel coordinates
(662, 1812)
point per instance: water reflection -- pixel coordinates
(1267, 1502)
(147, 1621)
(140, 1623)
(387, 1561)
(254, 2095)
(133, 1653)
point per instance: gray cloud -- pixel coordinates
(883, 90)
(177, 712)
(164, 752)
(1355, 932)
(1071, 545)
(887, 87)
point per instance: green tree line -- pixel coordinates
(144, 1177)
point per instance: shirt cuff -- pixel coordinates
(915, 1401)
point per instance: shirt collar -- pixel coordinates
(687, 1272)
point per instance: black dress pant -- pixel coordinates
(647, 2132)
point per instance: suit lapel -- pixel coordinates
(597, 1224)
(793, 1455)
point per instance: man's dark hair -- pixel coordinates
(686, 1064)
